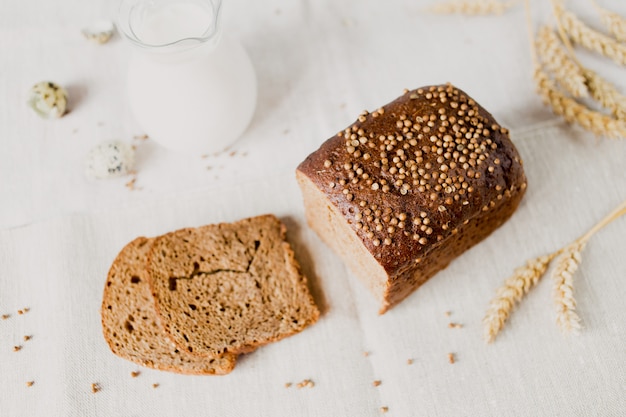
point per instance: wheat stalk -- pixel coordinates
(606, 94)
(562, 277)
(526, 277)
(574, 112)
(593, 40)
(567, 72)
(473, 7)
(514, 289)
(615, 23)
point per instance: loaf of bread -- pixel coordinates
(130, 323)
(230, 287)
(409, 187)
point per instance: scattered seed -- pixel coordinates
(451, 358)
(288, 384)
(131, 184)
(135, 374)
(384, 409)
(376, 383)
(366, 354)
(5, 316)
(27, 338)
(144, 137)
(29, 383)
(409, 361)
(155, 385)
(95, 387)
(306, 383)
(17, 348)
(20, 312)
(455, 325)
(448, 313)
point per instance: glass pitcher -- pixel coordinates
(190, 88)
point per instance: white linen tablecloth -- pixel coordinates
(57, 268)
(319, 65)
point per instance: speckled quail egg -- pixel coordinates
(48, 100)
(99, 31)
(110, 159)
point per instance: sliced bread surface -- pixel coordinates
(131, 326)
(229, 287)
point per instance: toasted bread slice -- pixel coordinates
(230, 287)
(131, 326)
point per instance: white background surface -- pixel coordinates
(319, 64)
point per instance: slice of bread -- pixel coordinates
(229, 287)
(130, 323)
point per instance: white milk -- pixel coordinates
(196, 100)
(171, 22)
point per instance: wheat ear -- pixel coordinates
(615, 23)
(557, 60)
(574, 112)
(606, 94)
(562, 277)
(593, 40)
(514, 289)
(568, 263)
(473, 7)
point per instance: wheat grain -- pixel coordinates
(574, 112)
(606, 94)
(565, 70)
(593, 40)
(514, 289)
(615, 23)
(562, 277)
(472, 7)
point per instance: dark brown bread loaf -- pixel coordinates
(409, 187)
(130, 324)
(229, 287)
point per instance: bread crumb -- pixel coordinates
(448, 313)
(17, 348)
(366, 354)
(95, 387)
(376, 383)
(455, 325)
(155, 385)
(5, 316)
(26, 309)
(409, 361)
(306, 383)
(29, 383)
(232, 153)
(205, 156)
(131, 184)
(288, 384)
(384, 409)
(451, 358)
(27, 338)
(135, 374)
